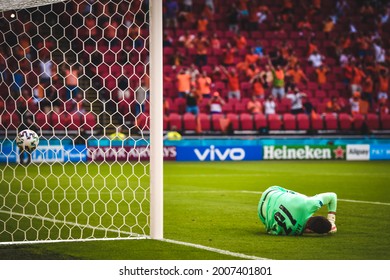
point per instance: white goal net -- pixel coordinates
(77, 73)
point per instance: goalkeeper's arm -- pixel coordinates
(330, 200)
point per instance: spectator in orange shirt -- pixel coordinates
(228, 55)
(321, 73)
(71, 80)
(251, 58)
(258, 86)
(252, 71)
(297, 75)
(201, 44)
(202, 24)
(203, 85)
(215, 42)
(183, 80)
(334, 105)
(328, 26)
(304, 27)
(312, 46)
(241, 41)
(368, 89)
(233, 83)
(254, 106)
(383, 84)
(356, 79)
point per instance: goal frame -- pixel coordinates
(156, 159)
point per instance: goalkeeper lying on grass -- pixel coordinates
(285, 212)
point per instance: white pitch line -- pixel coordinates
(211, 249)
(68, 223)
(198, 246)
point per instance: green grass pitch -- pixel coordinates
(215, 205)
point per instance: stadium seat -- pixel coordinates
(246, 121)
(216, 121)
(228, 108)
(320, 94)
(240, 107)
(358, 121)
(316, 122)
(204, 120)
(284, 106)
(303, 121)
(345, 121)
(180, 103)
(289, 121)
(274, 122)
(175, 122)
(331, 122)
(372, 121)
(385, 122)
(260, 121)
(189, 122)
(234, 120)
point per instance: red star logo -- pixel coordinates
(339, 152)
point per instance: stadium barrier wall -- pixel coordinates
(206, 150)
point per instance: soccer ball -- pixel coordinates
(27, 140)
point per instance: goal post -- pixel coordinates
(87, 77)
(156, 119)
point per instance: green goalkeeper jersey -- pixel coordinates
(285, 212)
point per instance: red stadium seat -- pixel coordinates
(316, 122)
(204, 120)
(189, 122)
(372, 121)
(175, 122)
(358, 121)
(331, 122)
(234, 120)
(228, 108)
(345, 121)
(274, 122)
(180, 103)
(246, 121)
(303, 121)
(240, 107)
(260, 121)
(289, 121)
(385, 121)
(216, 121)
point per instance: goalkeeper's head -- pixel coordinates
(318, 224)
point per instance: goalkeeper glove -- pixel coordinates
(332, 219)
